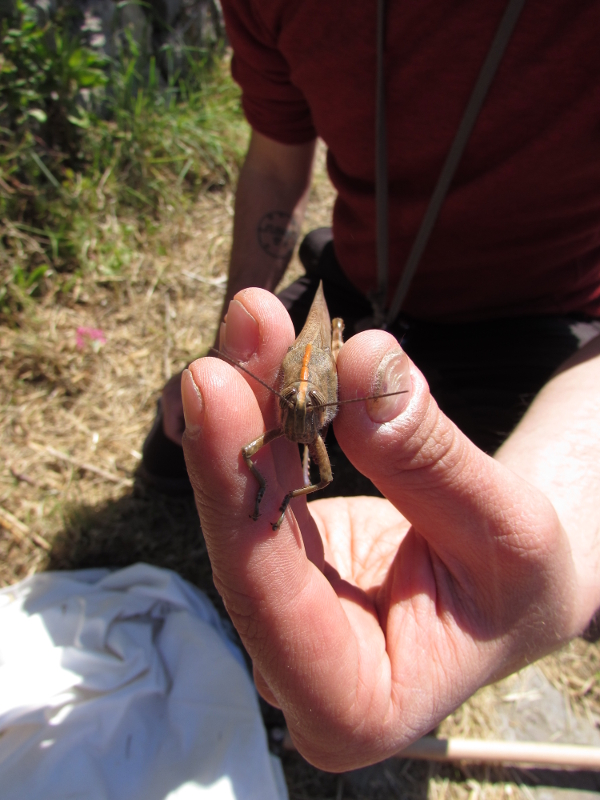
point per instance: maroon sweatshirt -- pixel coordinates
(519, 232)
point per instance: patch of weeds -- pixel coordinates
(43, 73)
(95, 151)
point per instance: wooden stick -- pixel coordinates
(10, 523)
(19, 530)
(103, 473)
(490, 751)
(557, 756)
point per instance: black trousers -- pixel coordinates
(482, 374)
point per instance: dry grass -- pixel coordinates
(74, 418)
(575, 672)
(73, 422)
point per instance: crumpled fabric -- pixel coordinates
(125, 684)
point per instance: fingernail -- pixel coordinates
(193, 404)
(240, 338)
(393, 375)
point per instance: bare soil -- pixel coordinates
(74, 417)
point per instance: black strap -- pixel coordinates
(484, 80)
(378, 298)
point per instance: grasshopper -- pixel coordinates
(308, 401)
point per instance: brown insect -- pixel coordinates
(307, 391)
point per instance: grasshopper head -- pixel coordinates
(302, 412)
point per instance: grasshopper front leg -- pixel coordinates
(319, 456)
(251, 450)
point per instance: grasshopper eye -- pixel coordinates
(288, 397)
(313, 399)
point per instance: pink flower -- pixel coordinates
(94, 335)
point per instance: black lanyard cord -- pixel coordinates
(482, 84)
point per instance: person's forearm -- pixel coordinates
(270, 201)
(556, 447)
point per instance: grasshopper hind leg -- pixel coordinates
(306, 465)
(319, 456)
(337, 339)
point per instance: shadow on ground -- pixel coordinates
(141, 526)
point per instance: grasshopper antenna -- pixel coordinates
(235, 363)
(361, 399)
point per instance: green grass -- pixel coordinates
(94, 152)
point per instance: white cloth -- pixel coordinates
(124, 685)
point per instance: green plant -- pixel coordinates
(93, 151)
(45, 74)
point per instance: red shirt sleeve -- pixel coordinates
(272, 104)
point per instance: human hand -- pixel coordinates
(368, 620)
(172, 409)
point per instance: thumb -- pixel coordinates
(488, 527)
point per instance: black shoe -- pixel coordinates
(592, 632)
(311, 248)
(163, 465)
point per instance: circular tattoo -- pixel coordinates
(277, 234)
